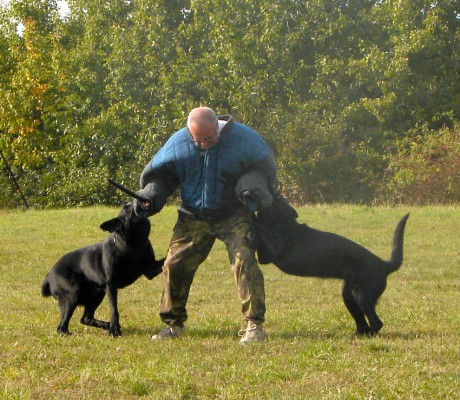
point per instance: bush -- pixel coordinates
(425, 168)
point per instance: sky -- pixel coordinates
(62, 4)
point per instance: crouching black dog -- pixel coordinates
(84, 276)
(298, 249)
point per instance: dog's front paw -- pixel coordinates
(114, 330)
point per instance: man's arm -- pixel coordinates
(157, 184)
(257, 181)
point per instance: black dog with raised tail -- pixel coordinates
(298, 249)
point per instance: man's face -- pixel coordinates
(205, 136)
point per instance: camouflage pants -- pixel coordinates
(191, 243)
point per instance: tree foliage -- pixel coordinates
(348, 93)
(426, 168)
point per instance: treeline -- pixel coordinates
(360, 99)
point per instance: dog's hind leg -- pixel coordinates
(67, 307)
(88, 314)
(367, 300)
(374, 321)
(362, 327)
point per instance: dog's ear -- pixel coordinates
(111, 225)
(284, 209)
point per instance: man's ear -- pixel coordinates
(111, 225)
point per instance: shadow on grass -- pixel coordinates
(189, 332)
(231, 333)
(409, 335)
(308, 335)
(272, 335)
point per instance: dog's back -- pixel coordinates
(76, 269)
(300, 250)
(310, 254)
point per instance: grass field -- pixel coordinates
(310, 351)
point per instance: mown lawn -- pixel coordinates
(310, 352)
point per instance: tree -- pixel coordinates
(336, 87)
(31, 89)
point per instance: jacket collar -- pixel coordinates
(229, 119)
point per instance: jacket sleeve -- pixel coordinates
(258, 181)
(157, 184)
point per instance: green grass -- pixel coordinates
(310, 352)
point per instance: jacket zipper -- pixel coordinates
(204, 158)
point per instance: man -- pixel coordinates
(215, 161)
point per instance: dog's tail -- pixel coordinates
(46, 291)
(397, 250)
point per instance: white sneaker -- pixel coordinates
(253, 333)
(170, 332)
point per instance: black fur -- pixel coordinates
(300, 250)
(84, 276)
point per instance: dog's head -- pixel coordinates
(280, 213)
(133, 229)
(273, 227)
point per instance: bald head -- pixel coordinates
(201, 118)
(202, 125)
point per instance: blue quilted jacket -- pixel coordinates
(207, 178)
